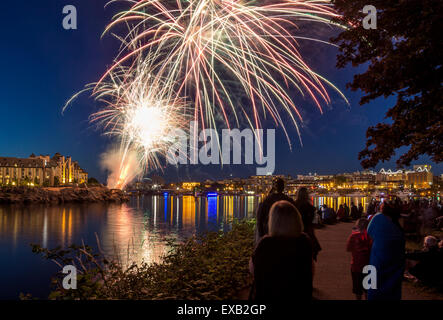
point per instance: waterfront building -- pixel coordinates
(41, 171)
(421, 177)
(263, 184)
(190, 186)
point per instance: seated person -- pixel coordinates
(429, 265)
(328, 215)
(282, 261)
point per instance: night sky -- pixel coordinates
(43, 65)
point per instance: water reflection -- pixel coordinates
(335, 202)
(136, 231)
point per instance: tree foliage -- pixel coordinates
(404, 59)
(93, 181)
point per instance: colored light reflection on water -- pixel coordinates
(136, 230)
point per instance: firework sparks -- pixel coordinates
(209, 55)
(203, 46)
(142, 113)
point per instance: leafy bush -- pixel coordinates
(212, 266)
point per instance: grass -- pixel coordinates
(209, 267)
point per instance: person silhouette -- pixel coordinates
(276, 194)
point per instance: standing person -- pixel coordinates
(276, 194)
(359, 244)
(347, 213)
(354, 211)
(341, 213)
(430, 213)
(371, 209)
(282, 261)
(360, 210)
(307, 211)
(387, 253)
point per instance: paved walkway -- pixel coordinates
(332, 280)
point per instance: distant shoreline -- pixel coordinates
(56, 195)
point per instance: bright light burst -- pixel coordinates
(140, 111)
(208, 49)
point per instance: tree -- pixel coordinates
(25, 181)
(93, 181)
(404, 56)
(56, 181)
(338, 180)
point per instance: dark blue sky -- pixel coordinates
(43, 65)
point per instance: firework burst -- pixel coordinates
(208, 49)
(142, 113)
(213, 61)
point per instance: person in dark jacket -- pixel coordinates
(387, 253)
(360, 210)
(347, 212)
(276, 194)
(307, 211)
(341, 213)
(282, 263)
(354, 212)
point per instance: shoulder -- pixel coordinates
(304, 205)
(376, 217)
(354, 235)
(264, 242)
(303, 241)
(270, 199)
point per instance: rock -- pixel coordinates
(60, 195)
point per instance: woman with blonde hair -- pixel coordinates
(282, 260)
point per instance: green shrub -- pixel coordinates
(213, 266)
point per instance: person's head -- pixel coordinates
(361, 224)
(390, 210)
(278, 185)
(284, 220)
(430, 242)
(440, 244)
(303, 194)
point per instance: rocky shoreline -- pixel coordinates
(61, 195)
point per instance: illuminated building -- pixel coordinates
(190, 185)
(41, 170)
(421, 177)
